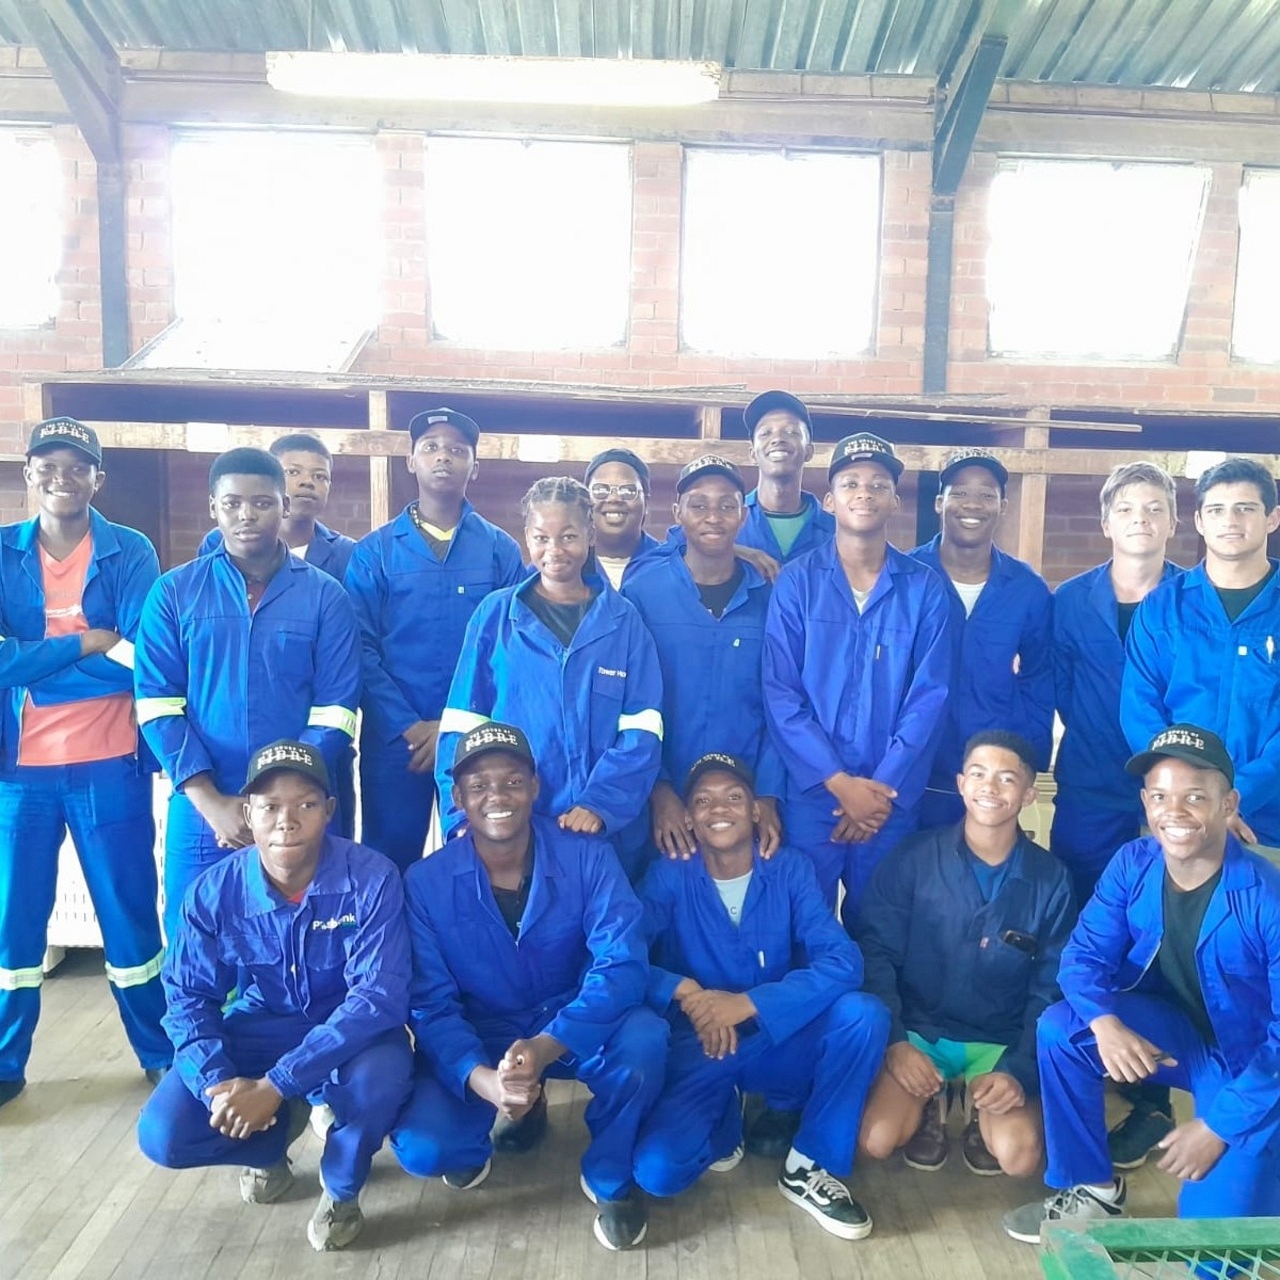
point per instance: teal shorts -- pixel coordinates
(968, 1058)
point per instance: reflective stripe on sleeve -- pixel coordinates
(157, 708)
(121, 652)
(333, 718)
(454, 721)
(650, 721)
(20, 979)
(136, 975)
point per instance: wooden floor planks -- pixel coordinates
(79, 1202)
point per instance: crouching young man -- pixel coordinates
(529, 961)
(760, 984)
(1171, 975)
(310, 928)
(962, 928)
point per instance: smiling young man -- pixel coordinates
(71, 590)
(783, 520)
(529, 962)
(239, 647)
(760, 985)
(962, 928)
(706, 610)
(1203, 647)
(415, 584)
(858, 662)
(1002, 610)
(1172, 974)
(308, 930)
(618, 482)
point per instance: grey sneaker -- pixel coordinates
(827, 1201)
(1074, 1204)
(727, 1162)
(335, 1223)
(266, 1186)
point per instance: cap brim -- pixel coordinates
(702, 473)
(488, 751)
(894, 466)
(253, 782)
(94, 456)
(993, 468)
(1138, 765)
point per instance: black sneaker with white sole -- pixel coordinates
(468, 1179)
(827, 1201)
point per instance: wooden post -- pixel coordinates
(379, 467)
(709, 422)
(1032, 492)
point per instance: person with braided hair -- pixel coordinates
(575, 668)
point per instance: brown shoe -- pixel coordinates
(927, 1149)
(976, 1156)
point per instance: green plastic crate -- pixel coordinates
(1162, 1249)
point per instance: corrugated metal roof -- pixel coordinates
(1226, 45)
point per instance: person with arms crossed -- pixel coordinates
(529, 962)
(237, 648)
(1002, 611)
(962, 928)
(415, 584)
(760, 984)
(71, 591)
(570, 662)
(705, 609)
(858, 664)
(308, 929)
(1172, 974)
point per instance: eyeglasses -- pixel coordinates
(601, 492)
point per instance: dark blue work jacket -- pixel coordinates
(951, 966)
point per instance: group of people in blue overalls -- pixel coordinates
(732, 825)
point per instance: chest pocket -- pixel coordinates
(259, 953)
(606, 706)
(288, 652)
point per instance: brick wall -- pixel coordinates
(1203, 376)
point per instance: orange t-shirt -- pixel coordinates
(73, 732)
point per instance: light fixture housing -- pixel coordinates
(424, 77)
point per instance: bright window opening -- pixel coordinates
(31, 228)
(277, 251)
(1091, 259)
(1257, 312)
(528, 243)
(780, 254)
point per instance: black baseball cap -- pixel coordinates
(719, 762)
(865, 447)
(287, 753)
(625, 456)
(491, 736)
(421, 423)
(1186, 742)
(767, 402)
(67, 433)
(709, 464)
(962, 458)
